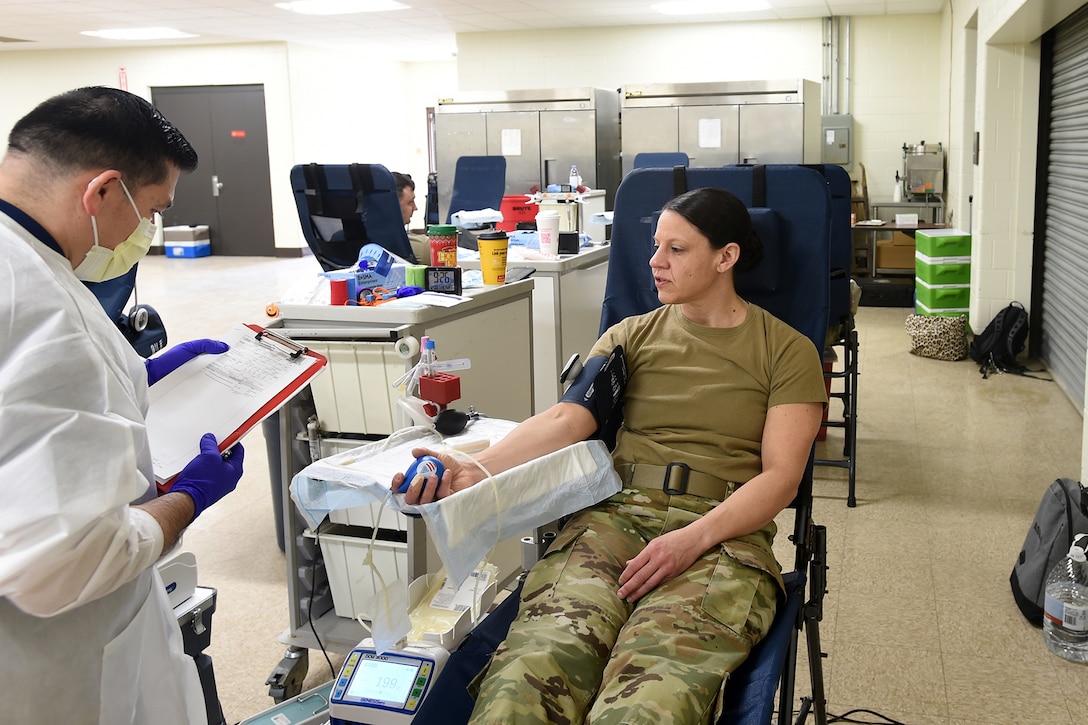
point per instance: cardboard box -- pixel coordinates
(893, 255)
(186, 233)
(188, 250)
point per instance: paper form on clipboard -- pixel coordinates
(225, 394)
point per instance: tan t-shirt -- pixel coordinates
(421, 246)
(699, 395)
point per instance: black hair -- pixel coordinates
(722, 218)
(403, 181)
(103, 128)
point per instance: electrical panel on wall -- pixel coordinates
(838, 143)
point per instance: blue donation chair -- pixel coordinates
(141, 325)
(430, 211)
(792, 213)
(791, 209)
(345, 206)
(660, 159)
(842, 335)
(479, 182)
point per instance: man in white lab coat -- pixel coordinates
(86, 631)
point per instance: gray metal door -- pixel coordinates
(649, 130)
(456, 135)
(710, 135)
(231, 190)
(772, 133)
(1060, 302)
(568, 138)
(516, 135)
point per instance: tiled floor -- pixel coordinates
(919, 624)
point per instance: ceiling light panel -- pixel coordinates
(139, 34)
(341, 7)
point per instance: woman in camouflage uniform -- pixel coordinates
(648, 599)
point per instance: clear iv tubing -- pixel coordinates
(368, 560)
(498, 519)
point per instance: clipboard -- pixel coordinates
(227, 394)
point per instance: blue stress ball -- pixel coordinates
(425, 466)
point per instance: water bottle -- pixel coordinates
(575, 179)
(1065, 610)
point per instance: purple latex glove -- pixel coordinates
(211, 475)
(161, 366)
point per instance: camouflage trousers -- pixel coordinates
(578, 653)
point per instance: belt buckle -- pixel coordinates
(675, 471)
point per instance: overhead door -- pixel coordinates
(1063, 226)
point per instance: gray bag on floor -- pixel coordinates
(1062, 514)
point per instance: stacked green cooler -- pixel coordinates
(942, 272)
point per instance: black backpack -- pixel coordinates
(1062, 515)
(1002, 341)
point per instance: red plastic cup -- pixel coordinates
(338, 292)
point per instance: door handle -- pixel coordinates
(217, 185)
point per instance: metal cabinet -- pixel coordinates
(567, 300)
(541, 134)
(766, 122)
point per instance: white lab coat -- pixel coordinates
(86, 631)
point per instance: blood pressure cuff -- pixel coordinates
(599, 388)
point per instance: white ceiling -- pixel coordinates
(425, 31)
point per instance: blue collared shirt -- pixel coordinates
(28, 222)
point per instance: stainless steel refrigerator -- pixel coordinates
(541, 133)
(765, 122)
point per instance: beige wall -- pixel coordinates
(321, 106)
(911, 78)
(898, 88)
(333, 106)
(617, 56)
(30, 77)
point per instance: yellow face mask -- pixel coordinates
(101, 264)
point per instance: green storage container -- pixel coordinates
(921, 309)
(943, 242)
(953, 296)
(942, 270)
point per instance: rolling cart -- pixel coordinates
(353, 402)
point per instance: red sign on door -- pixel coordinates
(236, 133)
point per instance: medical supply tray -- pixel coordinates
(309, 708)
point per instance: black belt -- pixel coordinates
(675, 479)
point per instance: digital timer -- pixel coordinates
(442, 279)
(387, 688)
